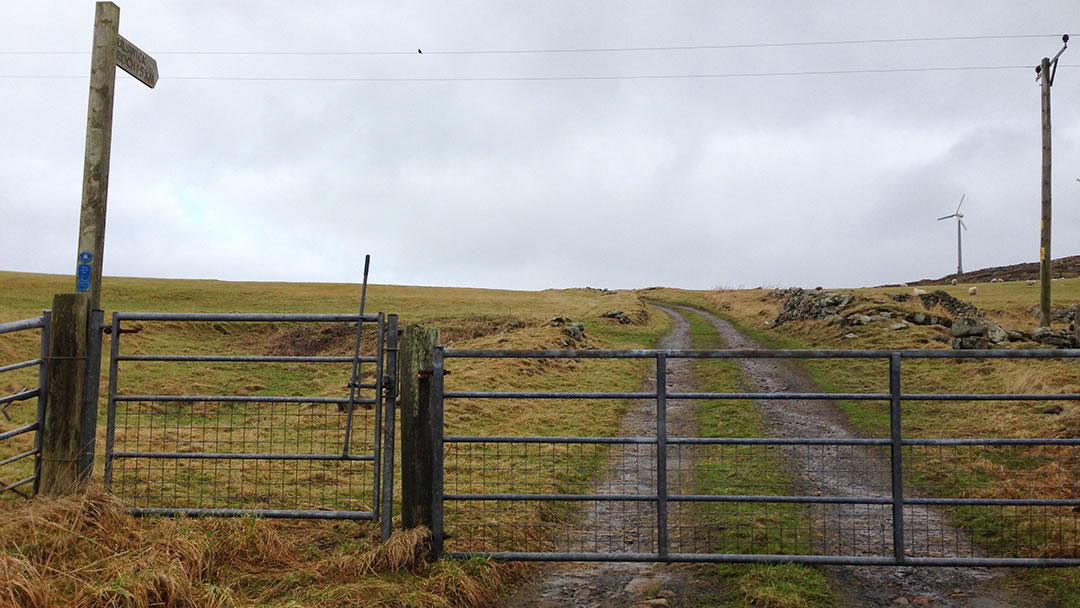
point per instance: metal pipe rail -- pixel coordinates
(20, 396)
(893, 497)
(750, 353)
(243, 359)
(243, 317)
(19, 431)
(267, 513)
(14, 366)
(24, 324)
(240, 399)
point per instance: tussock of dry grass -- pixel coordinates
(405, 550)
(23, 585)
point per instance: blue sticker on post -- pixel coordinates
(83, 278)
(82, 271)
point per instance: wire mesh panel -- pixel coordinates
(593, 495)
(750, 497)
(267, 454)
(244, 454)
(547, 526)
(1014, 498)
(748, 529)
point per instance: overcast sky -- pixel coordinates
(776, 180)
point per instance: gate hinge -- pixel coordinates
(427, 373)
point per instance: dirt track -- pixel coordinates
(855, 529)
(603, 584)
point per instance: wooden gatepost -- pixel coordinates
(71, 416)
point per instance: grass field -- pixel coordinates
(113, 560)
(276, 563)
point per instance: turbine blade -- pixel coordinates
(962, 223)
(961, 202)
(946, 217)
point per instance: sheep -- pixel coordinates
(918, 292)
(1029, 282)
(974, 289)
(953, 281)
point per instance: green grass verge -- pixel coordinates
(779, 586)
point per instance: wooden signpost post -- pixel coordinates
(69, 435)
(110, 50)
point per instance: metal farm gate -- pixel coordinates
(24, 440)
(244, 448)
(678, 498)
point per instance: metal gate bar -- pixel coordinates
(346, 404)
(895, 499)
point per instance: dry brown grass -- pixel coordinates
(83, 551)
(405, 550)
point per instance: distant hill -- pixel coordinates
(1068, 267)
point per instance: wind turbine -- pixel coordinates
(959, 222)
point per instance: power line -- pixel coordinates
(626, 49)
(559, 78)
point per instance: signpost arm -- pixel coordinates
(98, 142)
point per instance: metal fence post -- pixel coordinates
(90, 395)
(437, 455)
(376, 470)
(43, 393)
(661, 456)
(895, 435)
(389, 404)
(114, 368)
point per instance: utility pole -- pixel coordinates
(1045, 72)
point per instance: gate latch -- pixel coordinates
(107, 330)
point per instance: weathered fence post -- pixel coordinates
(62, 441)
(415, 367)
